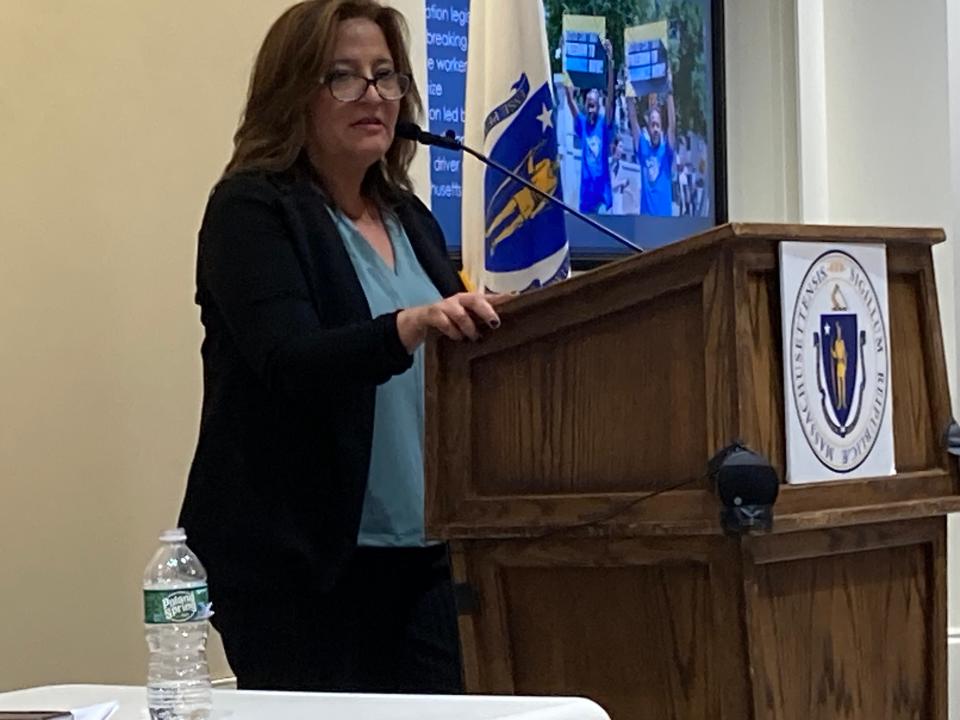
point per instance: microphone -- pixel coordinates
(411, 131)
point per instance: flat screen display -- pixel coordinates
(646, 159)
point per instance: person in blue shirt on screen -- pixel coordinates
(595, 130)
(655, 155)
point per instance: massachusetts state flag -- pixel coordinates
(513, 238)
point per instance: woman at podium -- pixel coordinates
(319, 274)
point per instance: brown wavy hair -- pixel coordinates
(293, 59)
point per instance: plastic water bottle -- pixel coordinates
(176, 618)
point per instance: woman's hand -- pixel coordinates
(458, 317)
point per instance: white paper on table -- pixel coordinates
(95, 712)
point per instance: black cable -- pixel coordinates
(611, 514)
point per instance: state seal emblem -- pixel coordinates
(837, 362)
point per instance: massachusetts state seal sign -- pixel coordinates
(836, 361)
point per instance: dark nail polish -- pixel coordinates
(494, 324)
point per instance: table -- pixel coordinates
(247, 705)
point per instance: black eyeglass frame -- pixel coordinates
(405, 80)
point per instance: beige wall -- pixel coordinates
(762, 149)
(889, 159)
(116, 118)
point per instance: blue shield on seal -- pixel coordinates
(839, 355)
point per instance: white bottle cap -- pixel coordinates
(177, 535)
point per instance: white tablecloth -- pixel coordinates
(247, 705)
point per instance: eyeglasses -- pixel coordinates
(348, 87)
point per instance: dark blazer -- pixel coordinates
(291, 361)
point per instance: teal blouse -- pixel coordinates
(393, 504)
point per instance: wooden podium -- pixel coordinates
(543, 438)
